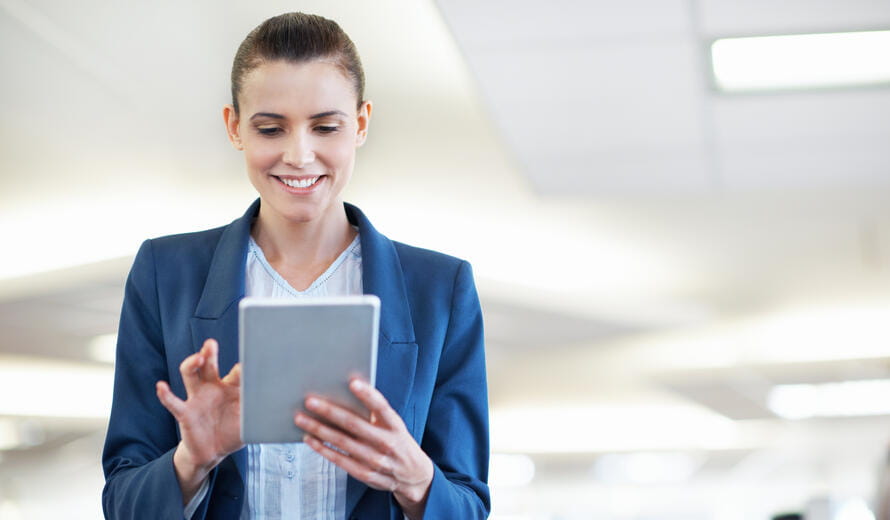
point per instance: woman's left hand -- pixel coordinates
(380, 452)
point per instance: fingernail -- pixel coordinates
(358, 384)
(312, 402)
(300, 420)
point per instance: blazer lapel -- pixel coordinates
(396, 348)
(216, 315)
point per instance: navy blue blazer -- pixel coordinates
(183, 289)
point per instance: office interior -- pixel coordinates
(685, 280)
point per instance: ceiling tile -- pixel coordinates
(755, 17)
(512, 24)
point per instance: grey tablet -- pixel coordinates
(290, 348)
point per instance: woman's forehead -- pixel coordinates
(297, 88)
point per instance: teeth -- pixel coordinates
(303, 183)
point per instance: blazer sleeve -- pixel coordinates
(137, 460)
(456, 437)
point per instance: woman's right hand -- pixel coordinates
(209, 419)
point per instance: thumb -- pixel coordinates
(173, 404)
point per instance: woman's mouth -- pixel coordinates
(305, 182)
(299, 185)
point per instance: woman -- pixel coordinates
(298, 114)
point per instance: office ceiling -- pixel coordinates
(600, 99)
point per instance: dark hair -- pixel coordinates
(297, 37)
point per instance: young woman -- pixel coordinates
(173, 447)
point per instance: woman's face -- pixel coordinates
(299, 129)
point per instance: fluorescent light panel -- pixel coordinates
(646, 468)
(844, 399)
(43, 388)
(801, 61)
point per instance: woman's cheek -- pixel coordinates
(260, 158)
(343, 153)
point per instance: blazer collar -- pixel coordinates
(381, 274)
(225, 279)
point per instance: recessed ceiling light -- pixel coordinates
(801, 61)
(843, 399)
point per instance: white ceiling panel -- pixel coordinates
(816, 164)
(816, 140)
(578, 97)
(620, 171)
(844, 116)
(558, 105)
(525, 23)
(593, 98)
(734, 18)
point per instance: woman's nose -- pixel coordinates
(299, 151)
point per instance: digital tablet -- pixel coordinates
(290, 348)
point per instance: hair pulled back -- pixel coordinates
(297, 38)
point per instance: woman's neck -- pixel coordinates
(302, 246)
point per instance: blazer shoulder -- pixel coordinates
(188, 247)
(427, 257)
(428, 264)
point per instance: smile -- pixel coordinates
(299, 183)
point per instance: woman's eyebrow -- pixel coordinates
(327, 114)
(266, 114)
(314, 116)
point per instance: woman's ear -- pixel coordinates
(232, 127)
(364, 119)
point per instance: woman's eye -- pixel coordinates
(327, 129)
(273, 130)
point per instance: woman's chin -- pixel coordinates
(302, 213)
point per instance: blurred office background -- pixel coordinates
(685, 273)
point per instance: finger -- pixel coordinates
(173, 404)
(233, 378)
(358, 470)
(348, 421)
(210, 350)
(356, 449)
(189, 369)
(376, 402)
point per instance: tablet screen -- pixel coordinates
(290, 348)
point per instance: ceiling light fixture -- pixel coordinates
(646, 467)
(843, 399)
(801, 61)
